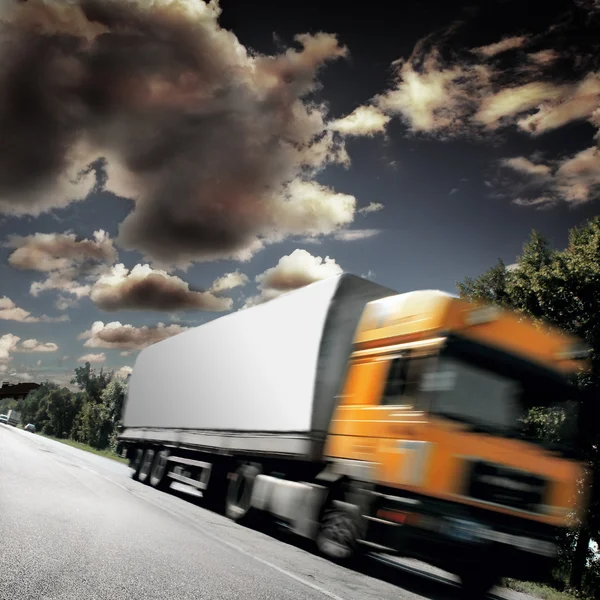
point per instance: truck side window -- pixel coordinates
(396, 381)
(404, 380)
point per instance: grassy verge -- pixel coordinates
(539, 590)
(105, 453)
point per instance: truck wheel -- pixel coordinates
(478, 580)
(338, 535)
(158, 473)
(239, 494)
(147, 461)
(136, 462)
(214, 498)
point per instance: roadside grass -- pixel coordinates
(538, 590)
(104, 453)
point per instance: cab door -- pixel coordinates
(380, 420)
(403, 445)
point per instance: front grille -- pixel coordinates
(505, 487)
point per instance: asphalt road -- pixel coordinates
(75, 526)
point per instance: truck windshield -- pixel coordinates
(500, 400)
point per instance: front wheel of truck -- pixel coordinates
(338, 535)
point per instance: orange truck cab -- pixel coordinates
(432, 415)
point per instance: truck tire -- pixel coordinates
(137, 455)
(159, 472)
(338, 535)
(146, 466)
(239, 494)
(214, 498)
(478, 580)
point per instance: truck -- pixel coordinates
(13, 417)
(370, 421)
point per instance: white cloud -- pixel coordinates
(309, 208)
(351, 235)
(434, 97)
(293, 271)
(229, 281)
(32, 345)
(124, 372)
(8, 343)
(144, 288)
(65, 258)
(92, 358)
(575, 179)
(117, 335)
(9, 311)
(371, 207)
(508, 43)
(524, 165)
(363, 121)
(578, 102)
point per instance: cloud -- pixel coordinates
(524, 165)
(65, 258)
(574, 180)
(117, 335)
(504, 45)
(9, 311)
(371, 207)
(124, 372)
(229, 281)
(212, 142)
(544, 57)
(501, 108)
(453, 191)
(311, 209)
(577, 102)
(32, 345)
(92, 358)
(578, 177)
(431, 95)
(293, 271)
(363, 121)
(144, 288)
(49, 252)
(8, 343)
(351, 235)
(446, 90)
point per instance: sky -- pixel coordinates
(165, 163)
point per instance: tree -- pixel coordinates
(561, 287)
(92, 384)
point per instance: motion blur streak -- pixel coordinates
(209, 140)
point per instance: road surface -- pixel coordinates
(74, 525)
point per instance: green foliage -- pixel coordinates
(560, 287)
(89, 416)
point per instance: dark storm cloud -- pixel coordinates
(202, 135)
(143, 288)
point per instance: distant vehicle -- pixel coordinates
(367, 420)
(29, 427)
(14, 417)
(4, 419)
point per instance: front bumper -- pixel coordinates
(450, 536)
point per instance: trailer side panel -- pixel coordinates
(253, 370)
